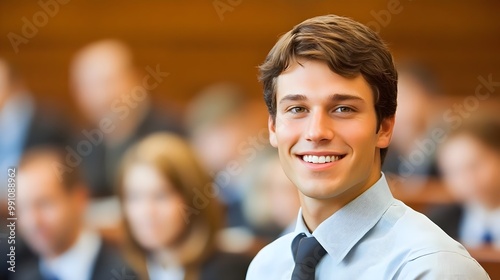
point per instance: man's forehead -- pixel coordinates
(37, 178)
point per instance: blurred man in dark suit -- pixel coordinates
(23, 124)
(51, 206)
(114, 97)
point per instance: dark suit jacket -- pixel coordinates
(225, 266)
(47, 127)
(448, 218)
(393, 162)
(100, 166)
(108, 265)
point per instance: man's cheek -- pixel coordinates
(358, 136)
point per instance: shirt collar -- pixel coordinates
(340, 232)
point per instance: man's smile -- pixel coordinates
(321, 159)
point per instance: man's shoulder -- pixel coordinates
(443, 265)
(419, 236)
(416, 248)
(272, 258)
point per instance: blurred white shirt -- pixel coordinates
(476, 222)
(157, 272)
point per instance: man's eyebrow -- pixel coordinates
(339, 97)
(293, 97)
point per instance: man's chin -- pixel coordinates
(321, 191)
(43, 250)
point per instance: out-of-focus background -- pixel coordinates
(200, 42)
(93, 78)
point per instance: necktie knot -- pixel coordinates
(307, 252)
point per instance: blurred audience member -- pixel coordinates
(172, 214)
(271, 201)
(470, 162)
(51, 206)
(23, 124)
(225, 138)
(419, 97)
(114, 96)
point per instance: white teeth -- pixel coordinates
(320, 159)
(315, 159)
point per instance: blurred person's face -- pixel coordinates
(413, 108)
(153, 208)
(49, 215)
(471, 170)
(218, 144)
(325, 131)
(99, 80)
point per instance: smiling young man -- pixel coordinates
(330, 86)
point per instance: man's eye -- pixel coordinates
(344, 109)
(297, 110)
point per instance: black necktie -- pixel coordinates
(307, 252)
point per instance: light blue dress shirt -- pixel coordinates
(15, 120)
(373, 237)
(476, 221)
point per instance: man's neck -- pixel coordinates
(63, 249)
(126, 128)
(315, 211)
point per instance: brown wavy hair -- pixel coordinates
(173, 157)
(348, 48)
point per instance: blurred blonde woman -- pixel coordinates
(172, 215)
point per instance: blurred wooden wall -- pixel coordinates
(197, 45)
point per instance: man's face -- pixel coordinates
(470, 170)
(99, 80)
(325, 131)
(48, 214)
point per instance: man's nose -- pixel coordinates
(320, 127)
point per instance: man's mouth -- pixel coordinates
(321, 159)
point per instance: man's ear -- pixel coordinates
(385, 132)
(271, 125)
